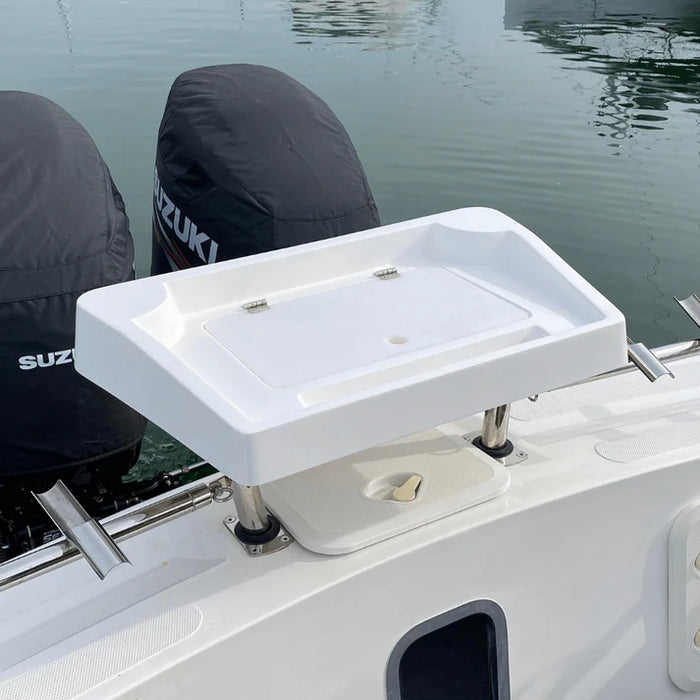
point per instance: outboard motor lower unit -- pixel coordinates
(63, 230)
(248, 161)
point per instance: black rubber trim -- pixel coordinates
(258, 536)
(498, 453)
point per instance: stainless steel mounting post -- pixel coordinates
(250, 507)
(494, 432)
(258, 531)
(493, 439)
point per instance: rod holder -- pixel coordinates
(82, 531)
(648, 363)
(255, 525)
(494, 433)
(691, 305)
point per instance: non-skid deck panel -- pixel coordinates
(652, 442)
(88, 666)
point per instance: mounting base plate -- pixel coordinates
(281, 541)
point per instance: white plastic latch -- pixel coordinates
(407, 492)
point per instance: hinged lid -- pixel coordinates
(363, 339)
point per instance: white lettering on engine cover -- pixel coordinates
(46, 359)
(182, 226)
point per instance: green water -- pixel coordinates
(579, 118)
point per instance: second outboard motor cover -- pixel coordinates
(249, 160)
(63, 230)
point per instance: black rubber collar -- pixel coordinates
(258, 536)
(498, 453)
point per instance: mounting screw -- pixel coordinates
(284, 538)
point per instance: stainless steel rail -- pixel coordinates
(60, 551)
(494, 432)
(666, 353)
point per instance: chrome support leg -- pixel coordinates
(250, 508)
(494, 434)
(493, 439)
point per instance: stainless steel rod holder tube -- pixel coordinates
(691, 305)
(494, 433)
(150, 514)
(250, 507)
(84, 533)
(647, 362)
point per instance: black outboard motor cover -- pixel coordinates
(63, 230)
(249, 160)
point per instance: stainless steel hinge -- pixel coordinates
(386, 273)
(256, 306)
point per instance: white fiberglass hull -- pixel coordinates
(575, 553)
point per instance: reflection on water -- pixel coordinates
(518, 12)
(577, 117)
(354, 19)
(648, 52)
(64, 13)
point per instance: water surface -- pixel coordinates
(579, 118)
